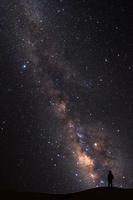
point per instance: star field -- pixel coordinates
(66, 94)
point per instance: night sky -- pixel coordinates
(66, 94)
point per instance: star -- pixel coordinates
(106, 60)
(24, 66)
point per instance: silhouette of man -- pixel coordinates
(110, 178)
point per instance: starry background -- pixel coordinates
(66, 103)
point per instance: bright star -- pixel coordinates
(24, 66)
(95, 144)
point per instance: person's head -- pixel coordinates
(110, 172)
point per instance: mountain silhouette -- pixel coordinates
(96, 193)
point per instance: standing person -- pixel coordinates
(110, 178)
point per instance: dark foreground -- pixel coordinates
(97, 193)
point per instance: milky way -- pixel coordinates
(91, 148)
(91, 144)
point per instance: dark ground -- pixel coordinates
(97, 193)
